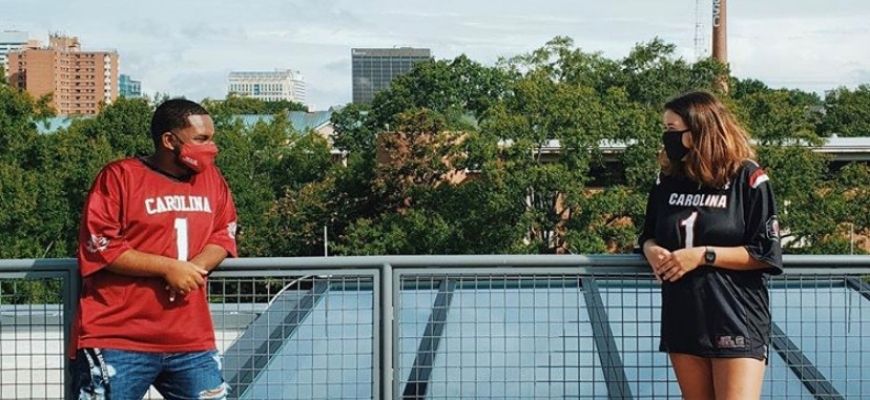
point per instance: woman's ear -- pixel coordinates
(687, 139)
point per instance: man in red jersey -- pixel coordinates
(152, 229)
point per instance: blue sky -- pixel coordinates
(187, 47)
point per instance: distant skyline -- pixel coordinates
(188, 48)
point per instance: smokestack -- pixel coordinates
(720, 38)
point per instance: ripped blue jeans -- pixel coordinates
(109, 374)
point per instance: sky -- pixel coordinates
(188, 47)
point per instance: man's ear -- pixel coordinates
(167, 141)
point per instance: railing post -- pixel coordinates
(608, 352)
(386, 332)
(71, 292)
(421, 373)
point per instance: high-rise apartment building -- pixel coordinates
(80, 81)
(375, 69)
(268, 85)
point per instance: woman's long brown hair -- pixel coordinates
(719, 143)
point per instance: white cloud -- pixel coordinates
(812, 53)
(189, 47)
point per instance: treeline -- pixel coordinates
(451, 160)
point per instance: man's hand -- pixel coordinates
(184, 277)
(680, 263)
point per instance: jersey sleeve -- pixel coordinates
(762, 226)
(648, 231)
(226, 222)
(101, 234)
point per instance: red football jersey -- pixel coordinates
(132, 206)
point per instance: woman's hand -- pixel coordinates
(680, 262)
(656, 256)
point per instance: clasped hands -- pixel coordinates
(183, 278)
(671, 266)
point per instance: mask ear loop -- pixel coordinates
(176, 147)
(171, 133)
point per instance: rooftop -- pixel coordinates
(302, 121)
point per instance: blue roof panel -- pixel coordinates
(329, 356)
(831, 325)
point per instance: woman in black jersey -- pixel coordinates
(711, 236)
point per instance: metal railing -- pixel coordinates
(441, 327)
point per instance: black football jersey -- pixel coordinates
(710, 311)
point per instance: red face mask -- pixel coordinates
(198, 157)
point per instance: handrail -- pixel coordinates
(386, 274)
(622, 261)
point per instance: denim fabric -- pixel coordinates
(108, 374)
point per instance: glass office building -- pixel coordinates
(375, 69)
(129, 87)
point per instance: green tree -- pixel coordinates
(18, 111)
(427, 117)
(72, 160)
(851, 195)
(780, 116)
(583, 69)
(295, 223)
(236, 105)
(306, 199)
(354, 129)
(248, 166)
(741, 88)
(651, 73)
(455, 157)
(806, 211)
(577, 101)
(28, 194)
(847, 112)
(415, 163)
(453, 88)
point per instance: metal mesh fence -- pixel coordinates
(500, 337)
(485, 336)
(31, 339)
(288, 337)
(294, 337)
(822, 334)
(632, 303)
(462, 333)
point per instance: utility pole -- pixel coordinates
(720, 39)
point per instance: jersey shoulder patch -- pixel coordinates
(755, 175)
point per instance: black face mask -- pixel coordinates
(674, 148)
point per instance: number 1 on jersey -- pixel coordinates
(689, 223)
(181, 237)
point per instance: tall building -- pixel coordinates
(12, 41)
(80, 81)
(128, 87)
(268, 85)
(375, 69)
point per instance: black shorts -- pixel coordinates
(716, 313)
